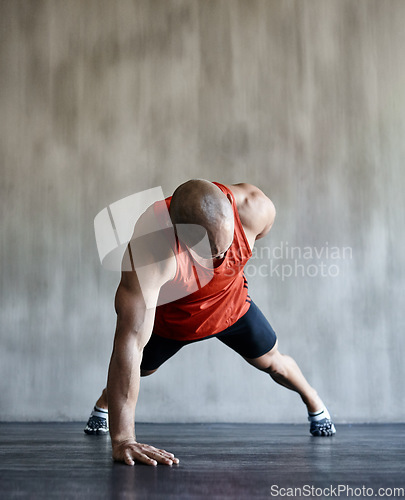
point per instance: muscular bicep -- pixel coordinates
(138, 292)
(134, 319)
(130, 298)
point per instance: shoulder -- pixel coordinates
(149, 252)
(256, 210)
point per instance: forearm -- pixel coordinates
(123, 389)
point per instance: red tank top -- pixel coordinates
(204, 309)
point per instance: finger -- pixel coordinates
(166, 453)
(128, 459)
(161, 456)
(167, 459)
(158, 456)
(142, 457)
(170, 456)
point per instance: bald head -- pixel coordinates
(200, 202)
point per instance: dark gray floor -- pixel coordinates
(216, 461)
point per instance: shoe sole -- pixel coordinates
(96, 432)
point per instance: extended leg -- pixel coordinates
(285, 371)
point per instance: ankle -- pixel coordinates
(313, 403)
(102, 401)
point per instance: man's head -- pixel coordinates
(200, 203)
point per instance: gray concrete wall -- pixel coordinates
(305, 98)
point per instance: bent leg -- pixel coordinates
(157, 351)
(146, 373)
(102, 401)
(98, 421)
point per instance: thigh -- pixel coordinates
(251, 336)
(158, 350)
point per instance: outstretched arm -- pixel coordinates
(133, 330)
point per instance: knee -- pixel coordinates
(145, 373)
(272, 363)
(276, 365)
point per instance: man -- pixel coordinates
(178, 292)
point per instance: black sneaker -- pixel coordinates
(322, 427)
(97, 422)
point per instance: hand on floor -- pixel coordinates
(131, 451)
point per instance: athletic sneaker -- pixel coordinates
(322, 427)
(97, 422)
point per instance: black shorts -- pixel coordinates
(251, 336)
